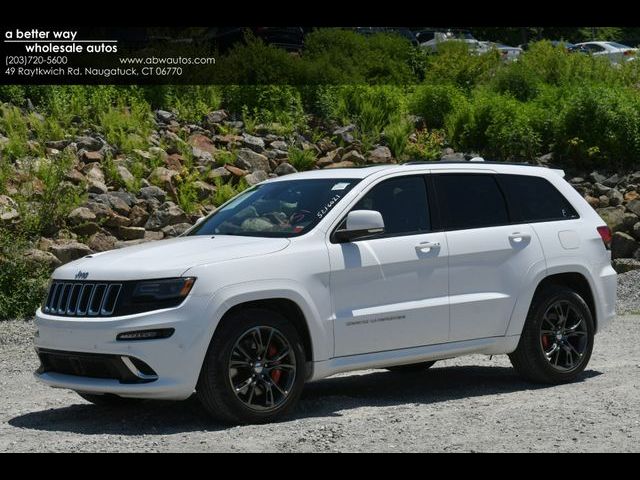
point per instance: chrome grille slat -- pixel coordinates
(66, 298)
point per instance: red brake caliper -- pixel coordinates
(275, 374)
(545, 341)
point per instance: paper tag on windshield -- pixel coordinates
(340, 186)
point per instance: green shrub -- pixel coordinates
(496, 125)
(433, 102)
(14, 94)
(396, 135)
(187, 192)
(45, 207)
(192, 102)
(427, 146)
(600, 124)
(265, 103)
(14, 126)
(23, 284)
(518, 80)
(226, 191)
(302, 159)
(454, 64)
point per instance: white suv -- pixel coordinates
(308, 275)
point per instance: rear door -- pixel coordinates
(489, 253)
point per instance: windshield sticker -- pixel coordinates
(323, 211)
(340, 186)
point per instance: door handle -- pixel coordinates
(426, 247)
(519, 238)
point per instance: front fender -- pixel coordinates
(319, 325)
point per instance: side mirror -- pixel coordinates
(360, 224)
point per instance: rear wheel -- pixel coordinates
(557, 339)
(412, 367)
(109, 400)
(254, 368)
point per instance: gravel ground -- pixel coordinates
(472, 403)
(629, 292)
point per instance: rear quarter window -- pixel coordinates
(535, 199)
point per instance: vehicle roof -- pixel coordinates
(364, 172)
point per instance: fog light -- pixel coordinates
(146, 334)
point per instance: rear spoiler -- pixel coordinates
(558, 171)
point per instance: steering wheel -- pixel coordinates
(298, 216)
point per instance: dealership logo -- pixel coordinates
(82, 275)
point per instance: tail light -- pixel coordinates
(606, 236)
(628, 53)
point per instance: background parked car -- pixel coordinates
(616, 52)
(507, 53)
(451, 36)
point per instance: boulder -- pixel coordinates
(380, 154)
(623, 265)
(596, 177)
(201, 143)
(613, 217)
(168, 214)
(97, 187)
(354, 157)
(615, 197)
(634, 206)
(74, 176)
(219, 172)
(252, 142)
(453, 157)
(8, 210)
(163, 177)
(93, 172)
(40, 257)
(87, 229)
(153, 192)
(151, 236)
(284, 169)
(175, 230)
(203, 189)
(250, 160)
(164, 116)
(631, 195)
(623, 245)
(343, 164)
(636, 230)
(613, 180)
(126, 176)
(138, 216)
(115, 221)
(81, 215)
(101, 242)
(131, 233)
(279, 145)
(90, 157)
(256, 177)
(214, 117)
(235, 171)
(90, 144)
(69, 250)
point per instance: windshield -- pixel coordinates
(277, 209)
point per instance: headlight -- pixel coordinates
(162, 290)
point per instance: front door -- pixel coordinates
(391, 292)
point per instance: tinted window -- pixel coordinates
(402, 202)
(277, 209)
(470, 201)
(535, 199)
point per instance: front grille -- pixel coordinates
(95, 365)
(82, 299)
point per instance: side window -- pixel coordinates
(535, 199)
(402, 201)
(470, 201)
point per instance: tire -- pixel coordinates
(529, 358)
(412, 367)
(266, 395)
(109, 400)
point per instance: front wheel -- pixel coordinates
(254, 369)
(557, 339)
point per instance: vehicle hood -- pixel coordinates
(168, 258)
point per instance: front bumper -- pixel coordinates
(175, 360)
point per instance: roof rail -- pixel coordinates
(457, 162)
